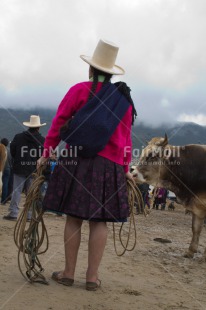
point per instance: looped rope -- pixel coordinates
(134, 196)
(32, 240)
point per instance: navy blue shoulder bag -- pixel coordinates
(93, 125)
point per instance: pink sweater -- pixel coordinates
(119, 146)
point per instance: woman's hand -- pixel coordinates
(129, 176)
(41, 161)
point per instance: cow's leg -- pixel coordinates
(197, 224)
(0, 183)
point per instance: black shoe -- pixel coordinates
(9, 218)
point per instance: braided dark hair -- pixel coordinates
(125, 90)
(122, 87)
(96, 73)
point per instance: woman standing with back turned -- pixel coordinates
(92, 185)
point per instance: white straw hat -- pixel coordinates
(34, 122)
(104, 58)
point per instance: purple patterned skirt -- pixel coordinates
(88, 188)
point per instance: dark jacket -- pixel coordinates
(26, 148)
(143, 187)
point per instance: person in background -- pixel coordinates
(164, 198)
(91, 188)
(6, 173)
(10, 185)
(157, 197)
(144, 189)
(147, 200)
(25, 149)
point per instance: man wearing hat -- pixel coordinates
(25, 149)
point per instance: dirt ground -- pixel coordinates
(153, 276)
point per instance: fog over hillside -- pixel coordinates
(179, 134)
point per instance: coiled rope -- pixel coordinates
(31, 238)
(135, 202)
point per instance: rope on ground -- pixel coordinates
(135, 201)
(31, 237)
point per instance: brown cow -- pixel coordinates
(182, 170)
(3, 156)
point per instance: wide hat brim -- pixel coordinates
(28, 124)
(116, 70)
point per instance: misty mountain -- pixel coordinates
(179, 134)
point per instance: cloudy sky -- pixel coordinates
(162, 49)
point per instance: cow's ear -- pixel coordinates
(165, 141)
